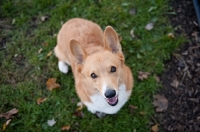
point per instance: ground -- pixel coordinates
(28, 32)
(180, 81)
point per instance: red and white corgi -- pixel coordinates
(103, 82)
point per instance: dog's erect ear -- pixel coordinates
(77, 51)
(111, 40)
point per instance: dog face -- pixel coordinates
(102, 71)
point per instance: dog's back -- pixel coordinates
(86, 32)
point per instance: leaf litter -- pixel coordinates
(65, 128)
(51, 84)
(51, 122)
(6, 124)
(143, 75)
(154, 128)
(149, 26)
(160, 102)
(41, 100)
(9, 114)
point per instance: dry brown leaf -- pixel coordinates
(143, 75)
(44, 18)
(160, 102)
(4, 127)
(170, 35)
(80, 106)
(49, 54)
(175, 83)
(6, 124)
(142, 113)
(157, 78)
(9, 114)
(133, 107)
(51, 84)
(154, 128)
(45, 44)
(41, 100)
(40, 50)
(65, 128)
(78, 113)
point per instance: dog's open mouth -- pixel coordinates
(112, 101)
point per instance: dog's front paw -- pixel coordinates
(100, 114)
(92, 110)
(63, 67)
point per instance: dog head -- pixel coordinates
(102, 70)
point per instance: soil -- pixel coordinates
(181, 79)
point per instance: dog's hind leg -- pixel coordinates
(100, 114)
(63, 61)
(62, 66)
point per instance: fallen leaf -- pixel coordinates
(80, 106)
(45, 44)
(132, 33)
(78, 113)
(9, 114)
(51, 84)
(132, 108)
(154, 128)
(49, 54)
(157, 78)
(65, 128)
(160, 102)
(170, 35)
(6, 124)
(41, 100)
(175, 83)
(13, 21)
(142, 113)
(40, 50)
(51, 122)
(149, 26)
(143, 75)
(44, 18)
(4, 127)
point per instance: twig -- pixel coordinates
(179, 57)
(154, 120)
(183, 78)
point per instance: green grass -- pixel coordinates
(24, 72)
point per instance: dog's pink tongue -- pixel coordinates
(112, 100)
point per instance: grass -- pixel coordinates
(24, 71)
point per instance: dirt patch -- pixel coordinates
(181, 80)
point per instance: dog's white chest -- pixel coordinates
(98, 102)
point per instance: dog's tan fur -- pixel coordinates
(83, 45)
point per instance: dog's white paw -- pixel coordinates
(92, 110)
(100, 114)
(63, 67)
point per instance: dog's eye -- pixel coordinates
(113, 69)
(93, 75)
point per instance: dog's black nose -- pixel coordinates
(110, 93)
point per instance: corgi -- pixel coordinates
(102, 80)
